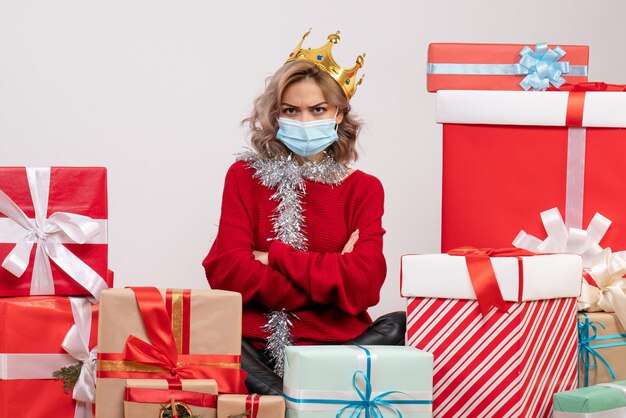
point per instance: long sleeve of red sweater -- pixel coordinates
(353, 280)
(230, 265)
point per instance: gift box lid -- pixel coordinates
(596, 398)
(476, 66)
(537, 108)
(446, 276)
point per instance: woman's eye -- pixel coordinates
(289, 111)
(319, 110)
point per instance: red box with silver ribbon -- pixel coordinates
(41, 335)
(501, 324)
(462, 66)
(53, 231)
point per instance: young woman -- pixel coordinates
(300, 234)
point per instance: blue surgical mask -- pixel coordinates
(307, 138)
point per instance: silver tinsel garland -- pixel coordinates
(278, 331)
(287, 177)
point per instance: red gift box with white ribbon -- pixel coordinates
(41, 335)
(501, 325)
(508, 156)
(53, 231)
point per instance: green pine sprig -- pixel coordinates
(69, 375)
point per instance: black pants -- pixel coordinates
(387, 330)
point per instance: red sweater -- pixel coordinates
(329, 292)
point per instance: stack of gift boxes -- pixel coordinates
(53, 243)
(71, 345)
(498, 308)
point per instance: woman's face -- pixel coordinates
(304, 101)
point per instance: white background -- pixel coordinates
(155, 91)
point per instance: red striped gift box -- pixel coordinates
(509, 357)
(502, 365)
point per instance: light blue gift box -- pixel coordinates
(358, 381)
(606, 400)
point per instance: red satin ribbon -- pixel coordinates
(483, 277)
(162, 352)
(576, 98)
(589, 279)
(174, 384)
(252, 405)
(161, 396)
(575, 108)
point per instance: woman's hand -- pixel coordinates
(351, 241)
(261, 256)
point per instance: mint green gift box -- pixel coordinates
(606, 400)
(359, 381)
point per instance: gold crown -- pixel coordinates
(322, 57)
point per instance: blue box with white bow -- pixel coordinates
(358, 381)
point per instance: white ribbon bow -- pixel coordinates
(605, 267)
(49, 234)
(76, 343)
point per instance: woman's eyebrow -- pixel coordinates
(317, 105)
(287, 104)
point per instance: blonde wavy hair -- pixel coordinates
(263, 122)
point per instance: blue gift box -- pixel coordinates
(352, 381)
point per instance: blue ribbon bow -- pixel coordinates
(541, 67)
(587, 333)
(370, 406)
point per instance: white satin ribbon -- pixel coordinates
(605, 267)
(48, 235)
(560, 239)
(18, 366)
(575, 186)
(76, 343)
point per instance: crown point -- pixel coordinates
(360, 60)
(334, 37)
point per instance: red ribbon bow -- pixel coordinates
(483, 277)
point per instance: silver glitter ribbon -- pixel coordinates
(287, 177)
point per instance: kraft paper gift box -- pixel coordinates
(146, 398)
(53, 231)
(508, 156)
(607, 400)
(250, 406)
(462, 66)
(321, 381)
(148, 333)
(602, 348)
(38, 336)
(504, 362)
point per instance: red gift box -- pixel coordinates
(499, 363)
(32, 331)
(459, 66)
(53, 227)
(509, 156)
